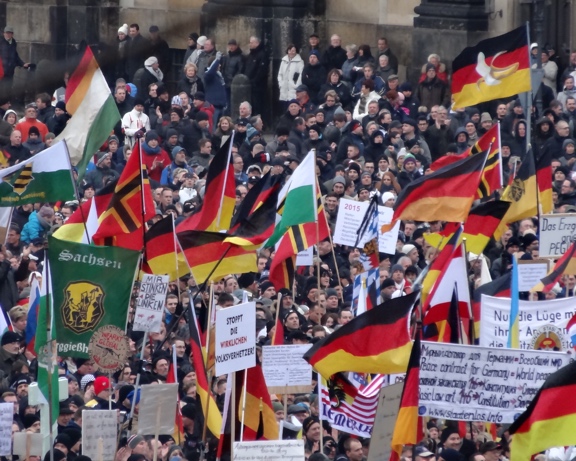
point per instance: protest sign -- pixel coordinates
(5, 218)
(150, 303)
(235, 338)
(99, 431)
(530, 273)
(109, 349)
(305, 257)
(6, 417)
(269, 450)
(157, 409)
(556, 234)
(349, 218)
(473, 383)
(285, 370)
(26, 444)
(386, 414)
(542, 324)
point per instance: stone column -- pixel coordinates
(447, 25)
(276, 22)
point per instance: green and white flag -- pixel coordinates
(45, 347)
(45, 177)
(297, 199)
(91, 288)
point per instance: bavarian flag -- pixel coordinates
(495, 68)
(376, 341)
(550, 418)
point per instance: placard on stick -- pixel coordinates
(285, 371)
(269, 450)
(99, 431)
(157, 409)
(384, 422)
(531, 272)
(235, 338)
(150, 303)
(6, 417)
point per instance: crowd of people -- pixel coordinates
(373, 134)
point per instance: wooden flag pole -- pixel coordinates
(233, 411)
(137, 383)
(156, 434)
(243, 405)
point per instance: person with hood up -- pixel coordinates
(461, 138)
(543, 131)
(179, 156)
(290, 74)
(38, 225)
(153, 156)
(409, 171)
(375, 148)
(520, 140)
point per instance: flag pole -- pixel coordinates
(142, 201)
(137, 383)
(233, 410)
(225, 178)
(49, 348)
(243, 405)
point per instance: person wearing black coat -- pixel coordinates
(335, 55)
(314, 76)
(137, 49)
(553, 147)
(334, 83)
(57, 122)
(256, 69)
(232, 63)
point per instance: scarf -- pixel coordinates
(156, 73)
(151, 150)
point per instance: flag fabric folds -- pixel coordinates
(203, 251)
(372, 289)
(499, 288)
(161, 251)
(550, 418)
(124, 214)
(444, 195)
(407, 431)
(45, 177)
(543, 165)
(522, 193)
(374, 342)
(92, 289)
(259, 418)
(495, 68)
(89, 99)
(367, 238)
(565, 265)
(209, 407)
(32, 317)
(219, 196)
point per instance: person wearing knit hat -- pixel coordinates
(450, 438)
(278, 411)
(409, 172)
(388, 199)
(448, 454)
(75, 436)
(312, 429)
(123, 30)
(63, 442)
(138, 445)
(267, 290)
(86, 379)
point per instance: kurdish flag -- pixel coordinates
(495, 68)
(550, 418)
(45, 177)
(376, 341)
(94, 111)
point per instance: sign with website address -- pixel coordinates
(472, 383)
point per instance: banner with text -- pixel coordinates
(556, 234)
(150, 303)
(542, 324)
(473, 383)
(235, 338)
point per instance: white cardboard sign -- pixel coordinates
(235, 338)
(269, 450)
(530, 273)
(157, 409)
(473, 383)
(384, 422)
(6, 417)
(539, 322)
(99, 432)
(284, 365)
(150, 303)
(556, 234)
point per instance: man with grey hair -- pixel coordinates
(245, 110)
(334, 56)
(256, 69)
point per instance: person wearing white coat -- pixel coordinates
(367, 95)
(290, 74)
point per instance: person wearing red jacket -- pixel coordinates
(153, 156)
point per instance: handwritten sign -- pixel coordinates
(305, 257)
(556, 234)
(6, 417)
(235, 338)
(150, 303)
(269, 450)
(284, 367)
(530, 273)
(542, 324)
(157, 409)
(349, 218)
(386, 414)
(99, 431)
(26, 444)
(472, 383)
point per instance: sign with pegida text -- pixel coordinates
(90, 288)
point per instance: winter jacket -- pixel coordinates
(137, 51)
(256, 68)
(290, 76)
(190, 86)
(214, 86)
(232, 65)
(9, 56)
(132, 122)
(341, 89)
(33, 229)
(314, 76)
(203, 60)
(433, 92)
(333, 58)
(361, 107)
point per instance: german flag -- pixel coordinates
(565, 265)
(499, 288)
(479, 227)
(261, 191)
(203, 251)
(259, 418)
(408, 430)
(278, 338)
(376, 341)
(209, 407)
(495, 68)
(258, 226)
(522, 194)
(445, 195)
(550, 419)
(161, 252)
(219, 197)
(124, 214)
(544, 180)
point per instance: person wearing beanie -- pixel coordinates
(154, 157)
(10, 351)
(281, 143)
(431, 90)
(103, 173)
(75, 436)
(135, 123)
(192, 39)
(200, 105)
(313, 76)
(312, 429)
(138, 445)
(409, 171)
(192, 446)
(267, 290)
(58, 120)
